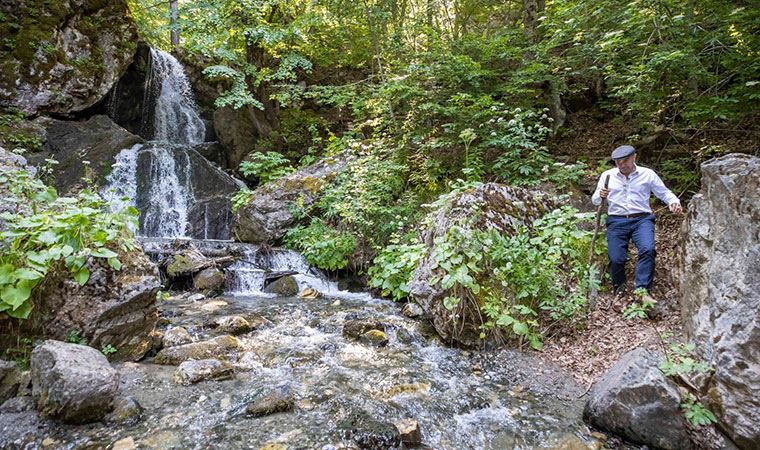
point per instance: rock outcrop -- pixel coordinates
(10, 165)
(62, 57)
(266, 218)
(116, 308)
(634, 400)
(72, 382)
(238, 130)
(490, 206)
(719, 283)
(10, 380)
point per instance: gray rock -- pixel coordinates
(368, 433)
(17, 404)
(66, 59)
(634, 400)
(375, 338)
(213, 348)
(413, 310)
(190, 372)
(719, 283)
(490, 206)
(355, 328)
(10, 164)
(268, 216)
(176, 336)
(272, 403)
(126, 411)
(209, 279)
(239, 130)
(284, 286)
(409, 431)
(233, 325)
(10, 380)
(248, 362)
(72, 382)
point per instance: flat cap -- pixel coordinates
(623, 151)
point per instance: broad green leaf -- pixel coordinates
(82, 275)
(28, 274)
(17, 295)
(104, 253)
(22, 312)
(114, 263)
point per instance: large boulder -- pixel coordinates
(116, 308)
(62, 57)
(634, 400)
(97, 140)
(239, 130)
(719, 284)
(10, 380)
(72, 382)
(268, 215)
(489, 206)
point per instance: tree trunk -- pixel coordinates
(174, 18)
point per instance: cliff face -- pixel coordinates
(62, 57)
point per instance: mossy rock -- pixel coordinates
(218, 347)
(286, 286)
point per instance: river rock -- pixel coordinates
(409, 431)
(268, 215)
(284, 286)
(72, 382)
(272, 403)
(248, 362)
(368, 433)
(176, 336)
(490, 206)
(412, 310)
(209, 279)
(116, 308)
(719, 283)
(10, 380)
(233, 325)
(634, 400)
(213, 348)
(355, 328)
(190, 372)
(126, 411)
(375, 338)
(65, 56)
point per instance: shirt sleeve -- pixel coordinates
(663, 193)
(596, 199)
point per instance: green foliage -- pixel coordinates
(241, 198)
(238, 95)
(696, 413)
(393, 268)
(680, 361)
(322, 245)
(75, 337)
(108, 350)
(640, 308)
(266, 167)
(48, 233)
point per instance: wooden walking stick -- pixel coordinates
(592, 296)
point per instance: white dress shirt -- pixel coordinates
(630, 195)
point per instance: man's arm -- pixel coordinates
(665, 194)
(596, 199)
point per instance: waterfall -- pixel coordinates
(176, 118)
(170, 193)
(121, 184)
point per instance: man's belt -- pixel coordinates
(630, 216)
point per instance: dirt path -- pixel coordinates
(589, 353)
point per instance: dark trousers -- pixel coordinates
(620, 231)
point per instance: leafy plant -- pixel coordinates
(48, 233)
(266, 167)
(639, 309)
(108, 350)
(696, 413)
(393, 268)
(241, 198)
(321, 244)
(75, 337)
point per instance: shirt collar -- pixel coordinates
(635, 172)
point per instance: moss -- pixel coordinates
(312, 184)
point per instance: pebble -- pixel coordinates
(124, 444)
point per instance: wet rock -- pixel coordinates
(274, 447)
(10, 380)
(409, 431)
(190, 372)
(176, 336)
(284, 287)
(248, 362)
(66, 59)
(368, 433)
(490, 206)
(17, 404)
(97, 140)
(116, 308)
(126, 411)
(309, 294)
(233, 325)
(412, 310)
(210, 279)
(268, 215)
(719, 282)
(124, 444)
(213, 348)
(196, 297)
(72, 382)
(634, 400)
(272, 403)
(353, 329)
(375, 338)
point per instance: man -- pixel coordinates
(630, 216)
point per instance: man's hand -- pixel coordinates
(604, 193)
(675, 208)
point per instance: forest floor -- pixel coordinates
(607, 336)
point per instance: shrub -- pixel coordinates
(322, 245)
